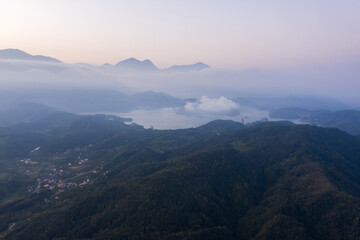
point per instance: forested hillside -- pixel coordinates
(95, 177)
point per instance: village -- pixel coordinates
(67, 170)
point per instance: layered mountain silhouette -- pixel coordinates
(137, 65)
(90, 101)
(133, 64)
(188, 68)
(346, 120)
(16, 54)
(130, 64)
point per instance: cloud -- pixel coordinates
(338, 81)
(220, 105)
(30, 76)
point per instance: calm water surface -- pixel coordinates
(169, 118)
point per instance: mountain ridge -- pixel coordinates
(131, 64)
(135, 64)
(188, 68)
(346, 120)
(16, 54)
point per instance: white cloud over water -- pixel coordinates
(212, 105)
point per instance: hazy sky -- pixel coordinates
(224, 34)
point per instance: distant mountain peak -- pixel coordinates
(107, 65)
(16, 54)
(147, 61)
(134, 64)
(130, 60)
(188, 68)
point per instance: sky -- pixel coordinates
(231, 34)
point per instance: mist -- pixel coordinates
(337, 81)
(178, 99)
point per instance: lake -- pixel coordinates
(170, 118)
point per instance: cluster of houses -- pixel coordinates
(51, 184)
(54, 181)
